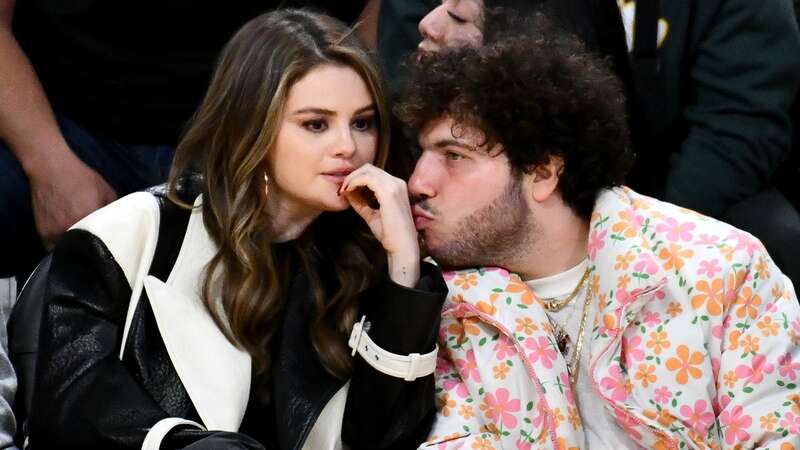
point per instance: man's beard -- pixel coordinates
(492, 236)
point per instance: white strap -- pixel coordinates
(408, 367)
(157, 433)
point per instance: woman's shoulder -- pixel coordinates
(127, 227)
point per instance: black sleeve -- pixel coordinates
(84, 396)
(385, 412)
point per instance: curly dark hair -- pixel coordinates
(537, 94)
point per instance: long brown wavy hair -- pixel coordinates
(224, 152)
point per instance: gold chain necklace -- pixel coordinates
(553, 305)
(574, 364)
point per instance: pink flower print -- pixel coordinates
(646, 264)
(504, 349)
(652, 319)
(735, 425)
(627, 423)
(468, 368)
(523, 444)
(663, 395)
(788, 368)
(568, 388)
(755, 372)
(541, 349)
(499, 408)
(596, 242)
(709, 268)
(624, 297)
(632, 349)
(676, 231)
(460, 386)
(699, 417)
(744, 241)
(706, 239)
(717, 331)
(615, 384)
(791, 422)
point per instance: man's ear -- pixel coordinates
(543, 179)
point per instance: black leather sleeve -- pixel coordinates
(84, 396)
(385, 412)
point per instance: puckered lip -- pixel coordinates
(416, 211)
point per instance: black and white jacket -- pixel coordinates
(178, 382)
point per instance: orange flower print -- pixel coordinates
(466, 412)
(457, 330)
(646, 374)
(751, 344)
(768, 422)
(482, 444)
(674, 309)
(762, 268)
(733, 339)
(709, 295)
(777, 292)
(574, 418)
(674, 256)
(557, 417)
(624, 261)
(471, 328)
(730, 379)
(768, 327)
(684, 364)
(748, 302)
(658, 341)
(500, 371)
(526, 326)
(515, 286)
(466, 280)
(629, 223)
(622, 281)
(445, 404)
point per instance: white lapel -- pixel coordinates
(214, 372)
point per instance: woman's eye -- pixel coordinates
(363, 124)
(315, 125)
(456, 17)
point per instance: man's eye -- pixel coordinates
(452, 156)
(315, 125)
(456, 17)
(364, 123)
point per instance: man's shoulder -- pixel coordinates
(672, 233)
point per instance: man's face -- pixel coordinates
(469, 207)
(454, 23)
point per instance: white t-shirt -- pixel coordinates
(599, 426)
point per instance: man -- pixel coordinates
(710, 90)
(582, 314)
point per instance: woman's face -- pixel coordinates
(328, 130)
(454, 23)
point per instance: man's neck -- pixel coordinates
(560, 244)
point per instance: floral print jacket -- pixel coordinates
(696, 343)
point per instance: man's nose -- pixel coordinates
(422, 181)
(430, 27)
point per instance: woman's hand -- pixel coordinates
(388, 215)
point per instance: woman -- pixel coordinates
(217, 316)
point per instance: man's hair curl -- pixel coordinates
(538, 94)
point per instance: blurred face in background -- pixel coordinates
(454, 23)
